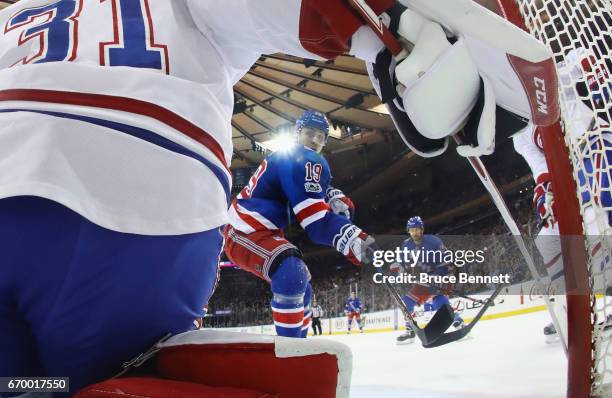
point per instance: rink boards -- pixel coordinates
(515, 300)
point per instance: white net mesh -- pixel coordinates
(579, 32)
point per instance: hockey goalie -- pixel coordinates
(115, 144)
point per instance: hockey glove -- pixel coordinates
(357, 246)
(340, 203)
(543, 201)
(395, 268)
(362, 250)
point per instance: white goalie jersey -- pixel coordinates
(121, 110)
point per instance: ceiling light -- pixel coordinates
(283, 141)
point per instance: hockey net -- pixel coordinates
(579, 155)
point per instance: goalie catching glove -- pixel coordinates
(455, 64)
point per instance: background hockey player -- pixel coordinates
(254, 236)
(421, 294)
(352, 309)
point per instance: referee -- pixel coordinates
(317, 314)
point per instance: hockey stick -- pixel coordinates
(433, 334)
(465, 297)
(447, 292)
(441, 321)
(376, 23)
(438, 324)
(435, 328)
(461, 333)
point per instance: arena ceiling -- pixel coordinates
(278, 88)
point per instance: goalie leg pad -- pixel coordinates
(429, 44)
(451, 83)
(238, 365)
(481, 123)
(517, 73)
(382, 75)
(159, 388)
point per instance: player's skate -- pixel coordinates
(550, 334)
(459, 324)
(406, 338)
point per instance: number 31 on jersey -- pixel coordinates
(54, 29)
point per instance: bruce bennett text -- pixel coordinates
(426, 278)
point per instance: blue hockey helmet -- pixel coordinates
(313, 119)
(415, 222)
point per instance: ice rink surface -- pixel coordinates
(504, 357)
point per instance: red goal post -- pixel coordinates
(566, 27)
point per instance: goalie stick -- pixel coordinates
(376, 23)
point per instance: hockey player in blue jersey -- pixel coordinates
(421, 294)
(254, 237)
(352, 309)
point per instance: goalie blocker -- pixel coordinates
(455, 64)
(245, 366)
